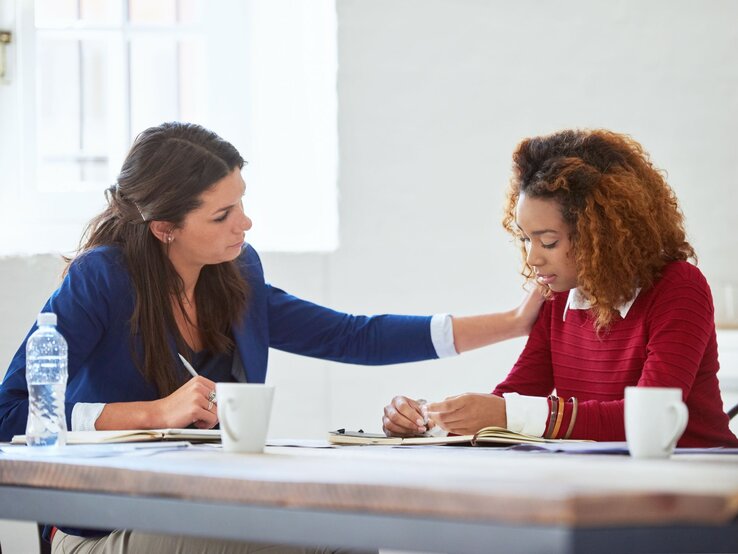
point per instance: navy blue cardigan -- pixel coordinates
(95, 302)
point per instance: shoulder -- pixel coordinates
(103, 264)
(249, 264)
(681, 288)
(681, 275)
(99, 256)
(555, 307)
(681, 270)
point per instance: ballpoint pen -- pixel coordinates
(436, 430)
(188, 367)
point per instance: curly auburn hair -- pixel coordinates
(625, 220)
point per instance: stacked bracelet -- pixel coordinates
(574, 408)
(559, 418)
(556, 417)
(554, 401)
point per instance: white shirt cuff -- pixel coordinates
(526, 414)
(84, 416)
(442, 335)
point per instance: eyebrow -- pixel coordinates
(225, 208)
(537, 233)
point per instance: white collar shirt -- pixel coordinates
(577, 301)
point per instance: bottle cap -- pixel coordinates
(46, 318)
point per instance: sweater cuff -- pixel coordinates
(84, 416)
(526, 414)
(442, 335)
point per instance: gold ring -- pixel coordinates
(210, 405)
(211, 397)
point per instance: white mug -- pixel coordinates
(655, 418)
(243, 411)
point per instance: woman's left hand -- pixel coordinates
(467, 413)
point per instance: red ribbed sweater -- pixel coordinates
(667, 339)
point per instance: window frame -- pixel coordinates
(41, 221)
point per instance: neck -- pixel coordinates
(189, 273)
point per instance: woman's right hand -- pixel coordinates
(189, 404)
(403, 418)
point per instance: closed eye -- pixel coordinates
(548, 246)
(223, 217)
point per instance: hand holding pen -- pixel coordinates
(188, 367)
(405, 417)
(191, 404)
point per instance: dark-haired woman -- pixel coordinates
(165, 270)
(601, 229)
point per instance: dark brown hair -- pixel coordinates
(163, 177)
(625, 221)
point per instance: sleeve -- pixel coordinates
(442, 335)
(83, 307)
(85, 414)
(679, 325)
(532, 374)
(526, 414)
(308, 329)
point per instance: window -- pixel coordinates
(92, 74)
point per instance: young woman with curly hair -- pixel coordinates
(601, 230)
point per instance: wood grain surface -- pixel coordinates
(535, 489)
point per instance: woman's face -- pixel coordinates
(214, 232)
(547, 243)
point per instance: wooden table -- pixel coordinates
(435, 499)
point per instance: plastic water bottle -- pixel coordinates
(46, 374)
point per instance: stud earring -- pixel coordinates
(170, 238)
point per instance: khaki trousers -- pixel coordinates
(125, 542)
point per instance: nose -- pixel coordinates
(247, 223)
(534, 256)
(244, 222)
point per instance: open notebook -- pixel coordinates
(488, 435)
(136, 435)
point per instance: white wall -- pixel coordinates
(433, 97)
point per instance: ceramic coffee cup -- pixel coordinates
(655, 419)
(244, 410)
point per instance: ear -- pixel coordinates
(162, 230)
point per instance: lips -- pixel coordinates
(545, 279)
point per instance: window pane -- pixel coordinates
(72, 120)
(58, 96)
(59, 13)
(101, 11)
(152, 11)
(189, 11)
(93, 95)
(192, 81)
(55, 12)
(154, 97)
(93, 160)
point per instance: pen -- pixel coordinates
(422, 402)
(187, 365)
(436, 430)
